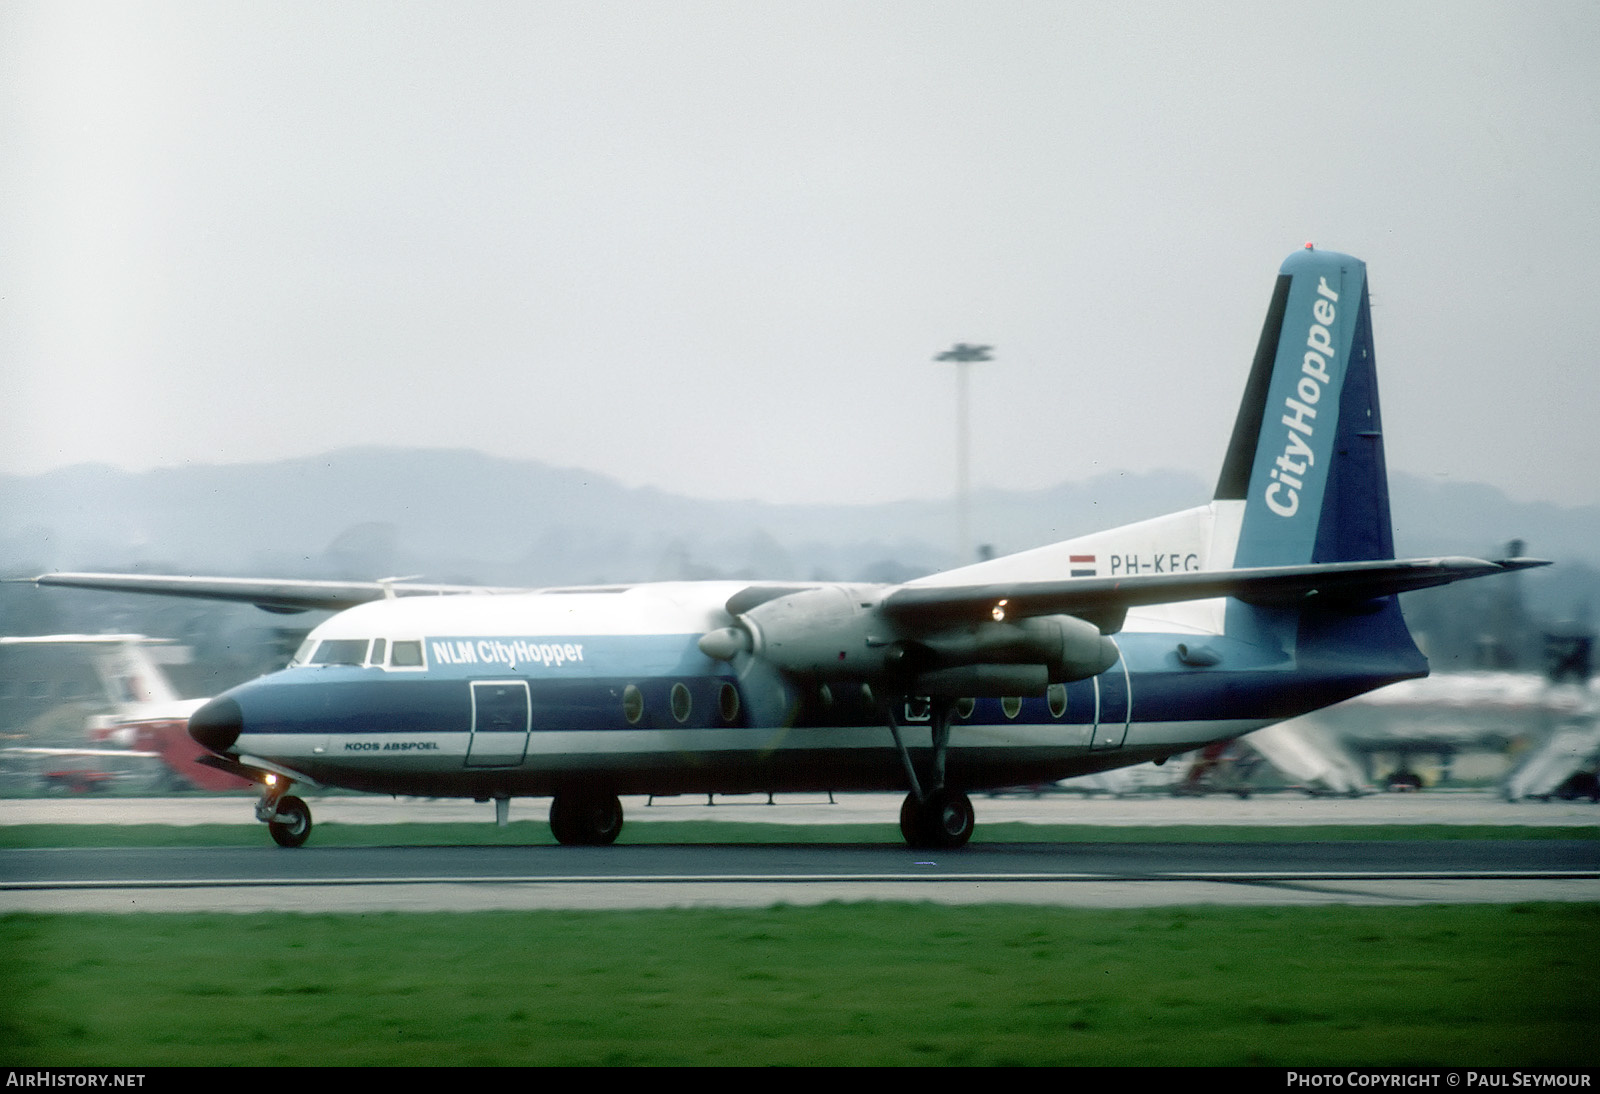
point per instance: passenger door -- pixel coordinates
(1113, 705)
(500, 723)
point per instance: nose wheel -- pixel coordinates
(292, 825)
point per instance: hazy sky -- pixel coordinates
(714, 246)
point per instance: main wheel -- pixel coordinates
(292, 826)
(584, 819)
(944, 821)
(911, 822)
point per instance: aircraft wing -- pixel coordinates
(83, 752)
(1105, 600)
(273, 595)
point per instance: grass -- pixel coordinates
(889, 984)
(839, 984)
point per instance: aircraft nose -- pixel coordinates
(217, 724)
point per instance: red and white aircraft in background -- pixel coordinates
(149, 719)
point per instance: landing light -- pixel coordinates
(999, 612)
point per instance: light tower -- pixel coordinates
(963, 355)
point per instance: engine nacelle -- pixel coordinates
(832, 631)
(1069, 648)
(837, 632)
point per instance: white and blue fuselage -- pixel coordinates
(525, 694)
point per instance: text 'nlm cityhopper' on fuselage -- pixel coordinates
(493, 651)
(1277, 597)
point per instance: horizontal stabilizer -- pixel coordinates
(1105, 599)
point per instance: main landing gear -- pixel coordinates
(944, 820)
(938, 818)
(585, 818)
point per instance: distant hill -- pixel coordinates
(464, 516)
(454, 514)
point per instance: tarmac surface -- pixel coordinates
(1429, 807)
(1074, 874)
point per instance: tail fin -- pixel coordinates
(1307, 451)
(131, 674)
(1306, 467)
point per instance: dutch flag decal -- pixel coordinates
(1078, 561)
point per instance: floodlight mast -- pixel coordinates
(963, 355)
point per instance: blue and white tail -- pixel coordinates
(1304, 474)
(1304, 479)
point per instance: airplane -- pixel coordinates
(149, 720)
(1139, 643)
(1517, 713)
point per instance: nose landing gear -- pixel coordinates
(286, 816)
(292, 826)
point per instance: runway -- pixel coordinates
(1087, 874)
(1272, 810)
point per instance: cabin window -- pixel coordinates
(965, 707)
(682, 704)
(406, 655)
(1057, 697)
(632, 704)
(341, 651)
(728, 703)
(1012, 705)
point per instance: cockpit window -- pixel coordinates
(377, 652)
(406, 655)
(303, 654)
(341, 651)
